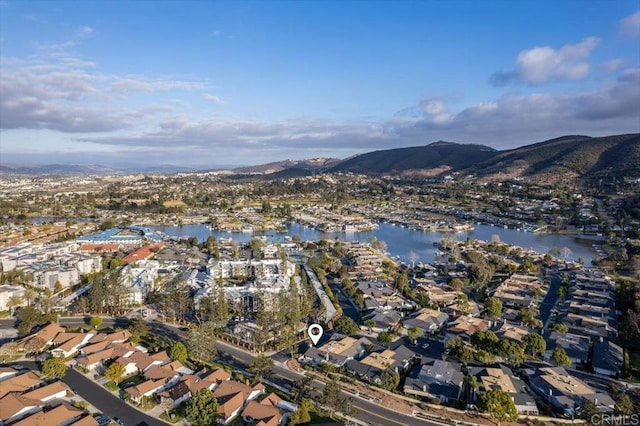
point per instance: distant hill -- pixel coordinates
(314, 164)
(567, 157)
(56, 169)
(439, 156)
(93, 169)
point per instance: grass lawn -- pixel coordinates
(133, 379)
(111, 386)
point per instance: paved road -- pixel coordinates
(551, 297)
(104, 400)
(345, 303)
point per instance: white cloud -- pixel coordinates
(85, 30)
(630, 26)
(612, 65)
(543, 64)
(70, 95)
(213, 98)
(507, 121)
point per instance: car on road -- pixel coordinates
(103, 420)
(118, 421)
(19, 367)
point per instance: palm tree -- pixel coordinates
(14, 301)
(414, 334)
(30, 295)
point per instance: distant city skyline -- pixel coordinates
(203, 84)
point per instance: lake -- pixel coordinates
(401, 241)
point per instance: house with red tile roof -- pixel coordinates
(20, 383)
(143, 253)
(14, 407)
(48, 392)
(232, 396)
(7, 372)
(144, 389)
(192, 383)
(68, 344)
(63, 414)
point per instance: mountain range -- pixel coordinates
(561, 158)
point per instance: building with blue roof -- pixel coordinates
(132, 235)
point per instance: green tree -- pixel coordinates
(28, 318)
(95, 322)
(414, 334)
(178, 352)
(512, 353)
(115, 372)
(138, 328)
(389, 379)
(301, 414)
(358, 298)
(624, 405)
(346, 325)
(302, 388)
(261, 366)
(534, 343)
(560, 357)
(456, 284)
(499, 404)
(333, 399)
(54, 368)
(107, 224)
(14, 301)
(590, 412)
(385, 337)
(201, 342)
(560, 328)
(369, 324)
(493, 307)
(202, 410)
(30, 295)
(465, 354)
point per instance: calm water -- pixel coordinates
(401, 241)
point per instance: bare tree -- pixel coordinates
(413, 257)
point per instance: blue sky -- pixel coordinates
(207, 84)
